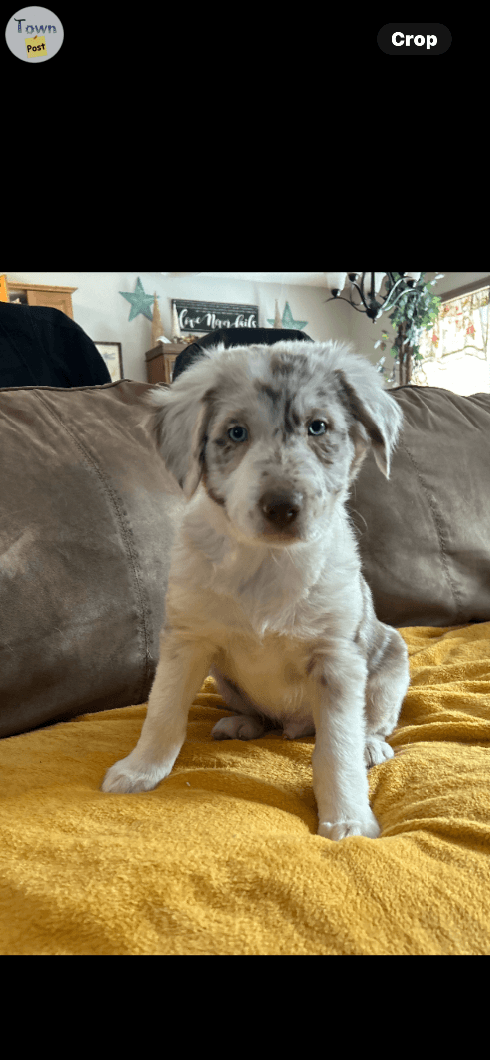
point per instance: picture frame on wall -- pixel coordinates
(112, 354)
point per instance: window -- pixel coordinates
(455, 348)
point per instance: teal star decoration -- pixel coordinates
(288, 322)
(140, 302)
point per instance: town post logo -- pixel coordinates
(34, 34)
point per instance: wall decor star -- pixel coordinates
(288, 320)
(140, 302)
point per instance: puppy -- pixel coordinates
(265, 588)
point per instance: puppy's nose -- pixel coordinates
(281, 507)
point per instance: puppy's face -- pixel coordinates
(275, 434)
(278, 455)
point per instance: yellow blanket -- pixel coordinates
(223, 858)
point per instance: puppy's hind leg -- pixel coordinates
(386, 689)
(247, 724)
(293, 730)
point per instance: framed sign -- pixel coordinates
(201, 317)
(112, 354)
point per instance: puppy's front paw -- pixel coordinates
(377, 751)
(125, 777)
(336, 830)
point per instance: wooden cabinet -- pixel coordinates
(40, 294)
(160, 361)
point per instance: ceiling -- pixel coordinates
(308, 279)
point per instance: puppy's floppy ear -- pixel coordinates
(372, 407)
(180, 416)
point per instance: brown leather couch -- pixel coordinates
(85, 533)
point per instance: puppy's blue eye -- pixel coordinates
(317, 427)
(238, 434)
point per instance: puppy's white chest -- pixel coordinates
(273, 674)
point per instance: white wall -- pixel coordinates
(104, 314)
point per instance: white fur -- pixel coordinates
(265, 588)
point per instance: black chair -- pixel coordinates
(234, 337)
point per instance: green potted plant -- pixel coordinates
(416, 310)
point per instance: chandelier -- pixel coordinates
(368, 285)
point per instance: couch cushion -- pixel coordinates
(85, 533)
(424, 534)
